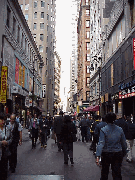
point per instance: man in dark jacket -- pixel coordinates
(43, 128)
(84, 127)
(68, 136)
(57, 129)
(130, 136)
(16, 130)
(121, 123)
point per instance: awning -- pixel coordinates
(92, 108)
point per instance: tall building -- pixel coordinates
(83, 76)
(73, 59)
(40, 16)
(19, 53)
(57, 77)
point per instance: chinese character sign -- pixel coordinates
(44, 90)
(4, 83)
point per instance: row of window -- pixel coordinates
(42, 16)
(42, 4)
(41, 26)
(18, 34)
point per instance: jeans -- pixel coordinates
(13, 156)
(115, 159)
(68, 150)
(130, 146)
(3, 168)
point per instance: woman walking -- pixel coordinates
(34, 129)
(111, 148)
(68, 136)
(5, 141)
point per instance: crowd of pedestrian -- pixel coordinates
(111, 138)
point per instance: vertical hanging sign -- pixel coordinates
(44, 90)
(4, 84)
(134, 51)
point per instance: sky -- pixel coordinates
(63, 34)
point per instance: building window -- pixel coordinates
(40, 48)
(8, 16)
(18, 35)
(26, 6)
(34, 36)
(35, 15)
(46, 61)
(48, 6)
(87, 12)
(87, 69)
(87, 23)
(42, 14)
(88, 34)
(42, 4)
(46, 49)
(26, 17)
(14, 26)
(87, 2)
(87, 95)
(88, 81)
(87, 57)
(21, 5)
(47, 16)
(87, 45)
(35, 4)
(41, 25)
(35, 26)
(51, 1)
(47, 38)
(25, 45)
(41, 37)
(22, 41)
(47, 27)
(51, 18)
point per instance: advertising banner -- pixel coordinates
(4, 73)
(17, 71)
(20, 74)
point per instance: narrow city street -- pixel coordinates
(41, 163)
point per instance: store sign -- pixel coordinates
(30, 102)
(134, 51)
(127, 93)
(44, 90)
(4, 73)
(27, 101)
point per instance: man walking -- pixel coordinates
(17, 138)
(57, 129)
(84, 126)
(43, 127)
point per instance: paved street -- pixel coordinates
(40, 163)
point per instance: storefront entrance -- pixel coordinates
(128, 106)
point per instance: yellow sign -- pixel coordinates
(4, 74)
(77, 109)
(102, 99)
(106, 97)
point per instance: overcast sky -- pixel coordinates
(63, 41)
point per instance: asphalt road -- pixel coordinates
(48, 163)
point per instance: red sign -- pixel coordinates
(134, 51)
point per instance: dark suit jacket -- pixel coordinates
(122, 123)
(58, 124)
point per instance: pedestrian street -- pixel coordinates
(48, 164)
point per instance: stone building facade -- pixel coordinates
(21, 55)
(41, 16)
